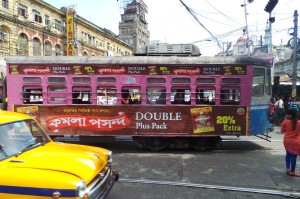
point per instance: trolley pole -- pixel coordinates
(294, 83)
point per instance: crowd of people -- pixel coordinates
(279, 107)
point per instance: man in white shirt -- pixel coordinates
(279, 110)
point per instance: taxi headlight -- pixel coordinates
(81, 189)
(109, 158)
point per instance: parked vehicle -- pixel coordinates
(33, 166)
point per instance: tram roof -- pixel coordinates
(171, 60)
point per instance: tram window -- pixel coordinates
(181, 80)
(82, 80)
(152, 80)
(32, 95)
(205, 96)
(231, 81)
(181, 96)
(81, 95)
(106, 80)
(57, 80)
(32, 80)
(57, 89)
(106, 96)
(258, 82)
(230, 96)
(57, 94)
(206, 80)
(57, 100)
(131, 95)
(156, 95)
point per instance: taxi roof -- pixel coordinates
(7, 117)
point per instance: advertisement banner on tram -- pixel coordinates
(140, 121)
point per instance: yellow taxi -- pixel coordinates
(33, 166)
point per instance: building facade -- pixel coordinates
(36, 28)
(133, 27)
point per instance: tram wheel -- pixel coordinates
(151, 143)
(205, 143)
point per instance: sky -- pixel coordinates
(218, 22)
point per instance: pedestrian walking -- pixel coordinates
(291, 129)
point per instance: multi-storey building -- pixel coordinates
(36, 28)
(134, 27)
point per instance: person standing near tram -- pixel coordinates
(279, 109)
(291, 129)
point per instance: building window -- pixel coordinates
(23, 45)
(58, 25)
(3, 36)
(37, 16)
(48, 48)
(5, 4)
(36, 47)
(57, 50)
(22, 10)
(47, 20)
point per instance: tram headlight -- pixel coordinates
(81, 190)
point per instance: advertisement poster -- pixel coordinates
(88, 69)
(202, 120)
(140, 121)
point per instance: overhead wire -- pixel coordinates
(260, 27)
(194, 16)
(222, 13)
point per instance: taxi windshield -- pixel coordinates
(20, 136)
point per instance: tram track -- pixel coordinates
(210, 186)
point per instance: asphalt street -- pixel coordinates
(246, 167)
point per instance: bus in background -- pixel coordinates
(160, 101)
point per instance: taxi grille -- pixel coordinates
(96, 188)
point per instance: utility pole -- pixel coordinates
(247, 32)
(294, 83)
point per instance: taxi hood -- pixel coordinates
(79, 160)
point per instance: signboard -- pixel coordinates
(140, 120)
(130, 70)
(70, 32)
